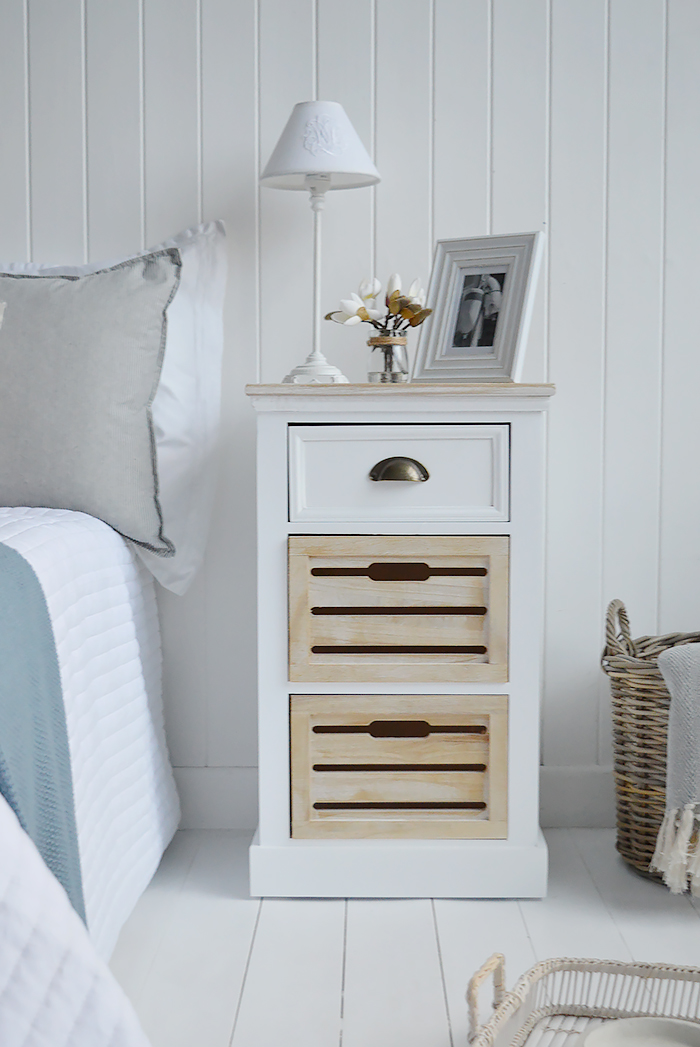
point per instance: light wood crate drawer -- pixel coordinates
(392, 766)
(329, 473)
(427, 608)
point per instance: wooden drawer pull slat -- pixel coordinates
(397, 649)
(399, 572)
(399, 610)
(400, 806)
(392, 767)
(398, 728)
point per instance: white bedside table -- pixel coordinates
(400, 638)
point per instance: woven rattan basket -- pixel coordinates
(640, 703)
(558, 1000)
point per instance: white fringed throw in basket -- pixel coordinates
(677, 854)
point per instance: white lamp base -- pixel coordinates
(315, 371)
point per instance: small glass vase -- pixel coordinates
(388, 359)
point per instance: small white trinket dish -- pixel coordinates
(643, 1032)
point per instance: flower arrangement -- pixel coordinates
(391, 317)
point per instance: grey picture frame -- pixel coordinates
(482, 292)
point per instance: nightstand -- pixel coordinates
(400, 592)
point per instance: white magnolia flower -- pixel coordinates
(345, 318)
(393, 285)
(416, 294)
(352, 304)
(356, 306)
(369, 288)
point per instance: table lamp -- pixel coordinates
(318, 150)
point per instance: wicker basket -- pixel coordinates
(558, 1000)
(640, 703)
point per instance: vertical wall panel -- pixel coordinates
(56, 136)
(634, 301)
(14, 219)
(520, 65)
(519, 115)
(461, 119)
(171, 91)
(576, 243)
(345, 76)
(286, 221)
(680, 505)
(183, 623)
(229, 149)
(404, 140)
(172, 203)
(113, 128)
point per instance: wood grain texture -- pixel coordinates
(413, 391)
(308, 630)
(311, 785)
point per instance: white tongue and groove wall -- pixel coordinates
(125, 122)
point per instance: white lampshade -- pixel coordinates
(319, 139)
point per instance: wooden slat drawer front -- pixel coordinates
(398, 787)
(399, 766)
(329, 467)
(421, 608)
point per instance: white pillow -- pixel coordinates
(187, 401)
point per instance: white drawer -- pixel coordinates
(329, 473)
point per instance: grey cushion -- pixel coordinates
(80, 359)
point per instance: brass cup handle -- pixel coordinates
(399, 468)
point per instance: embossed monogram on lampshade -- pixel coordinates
(319, 139)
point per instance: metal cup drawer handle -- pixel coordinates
(399, 468)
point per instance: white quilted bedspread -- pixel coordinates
(55, 991)
(102, 606)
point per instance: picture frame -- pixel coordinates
(481, 292)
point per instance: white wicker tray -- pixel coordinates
(557, 1000)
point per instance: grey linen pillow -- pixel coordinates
(80, 359)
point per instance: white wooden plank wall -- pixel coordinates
(123, 123)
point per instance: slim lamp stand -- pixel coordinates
(316, 370)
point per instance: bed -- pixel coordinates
(109, 400)
(101, 602)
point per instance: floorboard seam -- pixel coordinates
(579, 850)
(245, 974)
(442, 973)
(342, 973)
(535, 957)
(138, 996)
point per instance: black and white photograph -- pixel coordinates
(479, 309)
(481, 292)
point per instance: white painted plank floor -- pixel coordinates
(207, 966)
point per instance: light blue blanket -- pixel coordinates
(35, 772)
